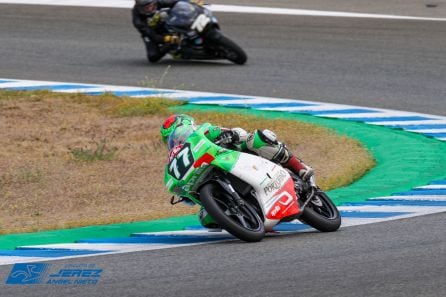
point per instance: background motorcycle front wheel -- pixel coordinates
(228, 48)
(232, 51)
(321, 213)
(243, 221)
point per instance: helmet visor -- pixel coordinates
(179, 135)
(149, 8)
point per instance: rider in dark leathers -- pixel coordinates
(148, 20)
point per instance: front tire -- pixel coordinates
(321, 213)
(228, 48)
(244, 223)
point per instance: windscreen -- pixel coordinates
(179, 135)
(182, 15)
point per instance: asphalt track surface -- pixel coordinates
(390, 7)
(397, 258)
(377, 63)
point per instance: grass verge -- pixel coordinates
(69, 160)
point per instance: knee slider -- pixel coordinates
(267, 136)
(268, 147)
(283, 155)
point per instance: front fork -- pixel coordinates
(308, 189)
(226, 185)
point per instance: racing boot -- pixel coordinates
(154, 51)
(298, 167)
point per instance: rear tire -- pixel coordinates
(323, 216)
(246, 225)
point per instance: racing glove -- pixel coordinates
(154, 20)
(172, 39)
(198, 2)
(227, 137)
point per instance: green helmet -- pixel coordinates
(172, 122)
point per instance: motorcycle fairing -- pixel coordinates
(189, 158)
(273, 185)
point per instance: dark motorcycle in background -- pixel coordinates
(200, 35)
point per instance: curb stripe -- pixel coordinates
(433, 187)
(153, 239)
(87, 246)
(418, 201)
(418, 192)
(432, 121)
(216, 98)
(343, 111)
(269, 105)
(145, 93)
(375, 202)
(373, 116)
(438, 182)
(388, 119)
(47, 253)
(394, 119)
(196, 98)
(428, 131)
(304, 109)
(359, 214)
(412, 197)
(421, 127)
(47, 87)
(290, 227)
(390, 208)
(435, 135)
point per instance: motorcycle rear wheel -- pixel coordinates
(323, 215)
(244, 223)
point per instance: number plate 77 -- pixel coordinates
(182, 162)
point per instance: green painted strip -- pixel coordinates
(404, 160)
(11, 241)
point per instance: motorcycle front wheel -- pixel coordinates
(228, 48)
(321, 213)
(242, 221)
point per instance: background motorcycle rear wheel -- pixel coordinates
(244, 224)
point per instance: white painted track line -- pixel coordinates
(229, 8)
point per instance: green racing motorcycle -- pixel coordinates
(245, 194)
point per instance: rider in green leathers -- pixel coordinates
(262, 142)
